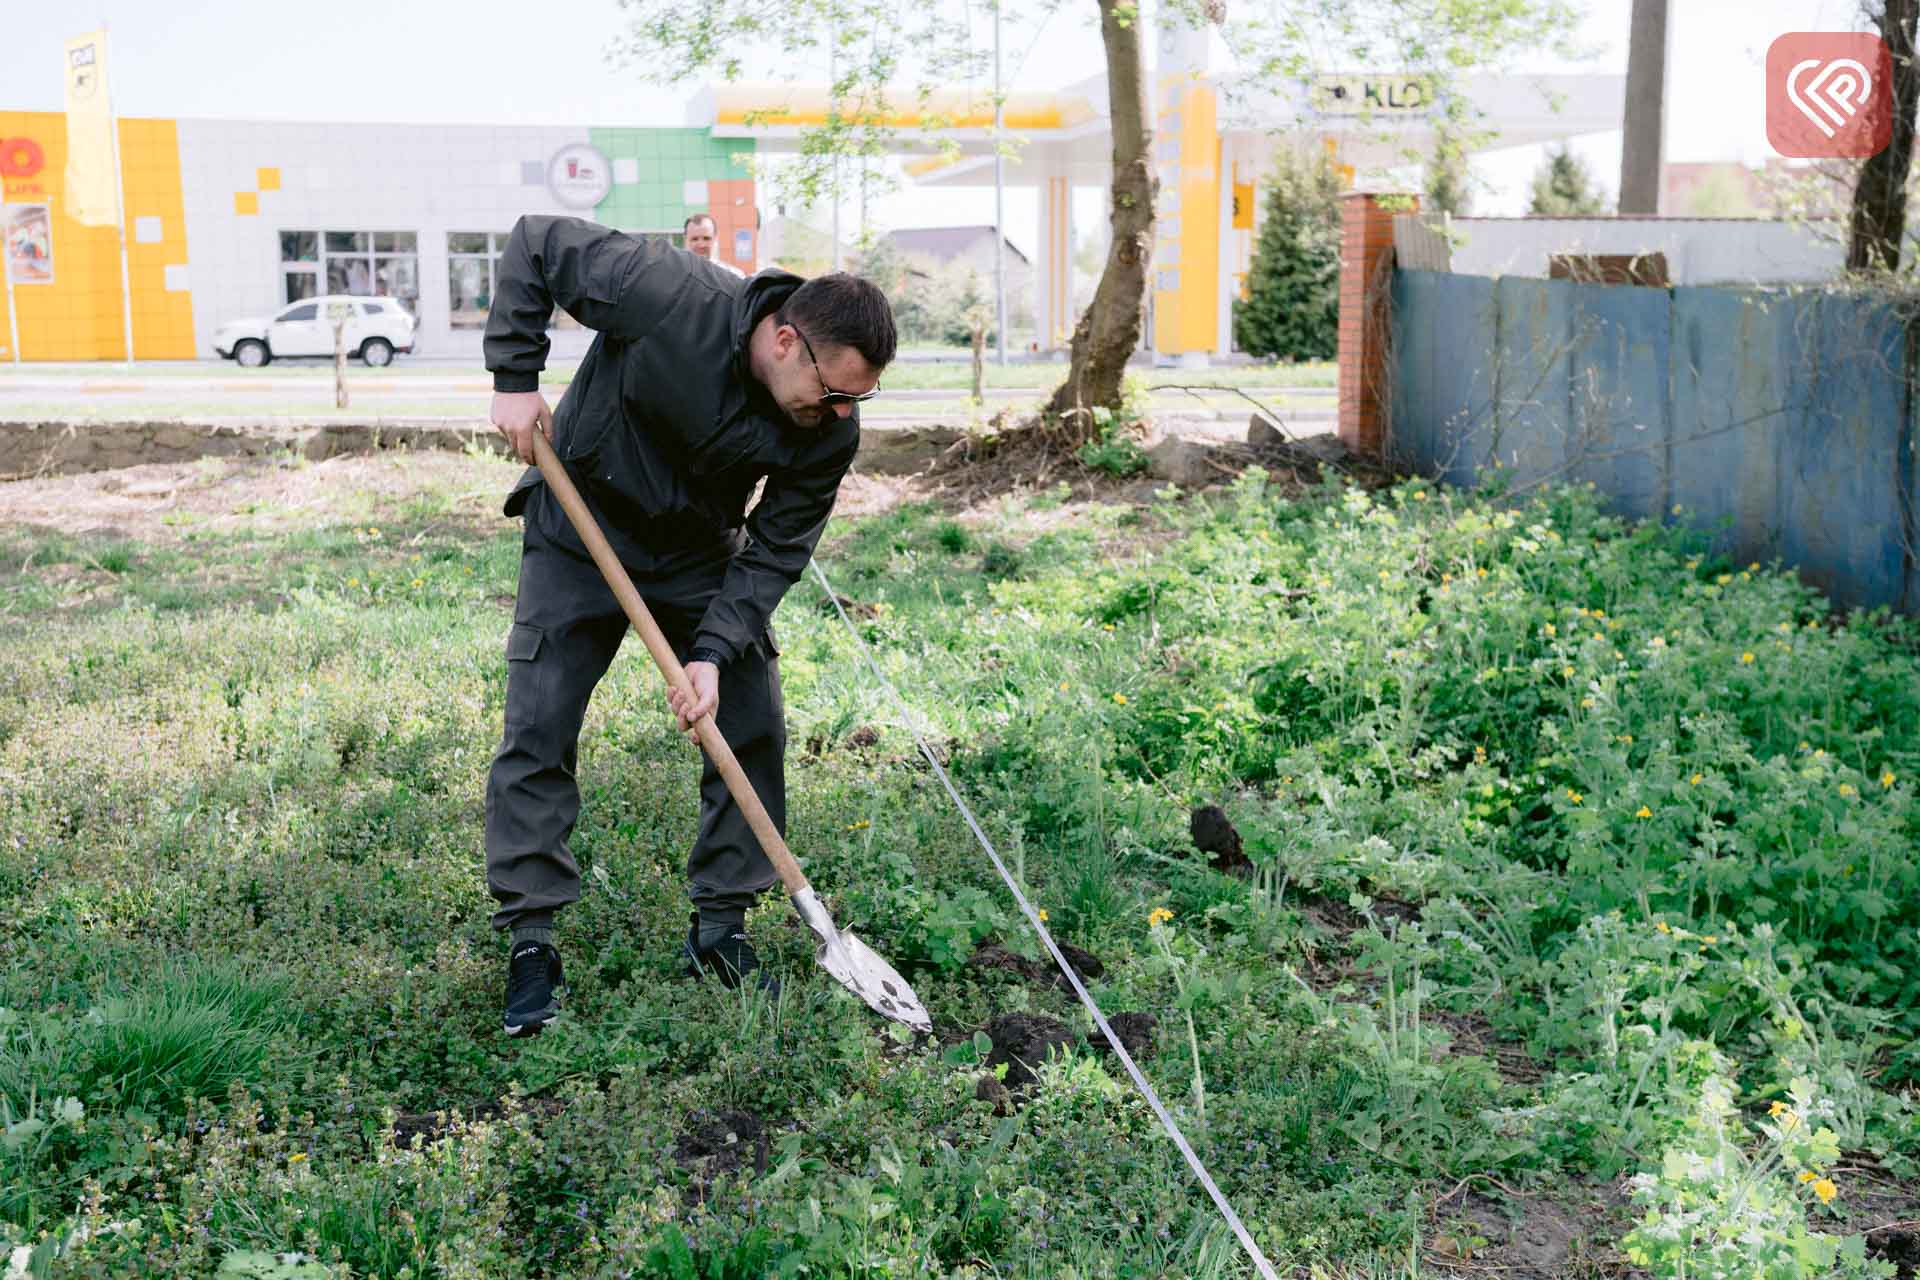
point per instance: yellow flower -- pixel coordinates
(1567, 672)
(861, 825)
(1846, 789)
(1219, 706)
(1709, 938)
(1820, 754)
(1825, 1189)
(1479, 753)
(1627, 738)
(1599, 613)
(1158, 916)
(419, 582)
(373, 532)
(1643, 812)
(1777, 1110)
(1587, 703)
(1886, 779)
(353, 582)
(1119, 699)
(1807, 1175)
(1384, 575)
(1724, 579)
(296, 1157)
(1445, 578)
(1042, 913)
(1550, 630)
(1754, 567)
(1063, 686)
(1480, 572)
(1696, 780)
(1419, 495)
(1747, 657)
(1574, 796)
(1663, 926)
(1786, 627)
(1108, 626)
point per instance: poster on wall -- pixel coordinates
(28, 233)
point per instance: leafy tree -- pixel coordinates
(1449, 184)
(888, 54)
(1292, 307)
(1564, 187)
(1879, 216)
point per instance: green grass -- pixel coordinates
(1558, 826)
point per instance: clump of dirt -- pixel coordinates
(1022, 1041)
(991, 955)
(721, 1142)
(1215, 836)
(1898, 1244)
(1137, 1033)
(853, 608)
(1528, 1237)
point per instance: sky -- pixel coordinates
(484, 61)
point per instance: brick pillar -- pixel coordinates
(1366, 243)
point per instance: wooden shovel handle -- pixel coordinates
(663, 656)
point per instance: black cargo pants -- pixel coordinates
(567, 626)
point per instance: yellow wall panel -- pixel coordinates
(267, 179)
(80, 315)
(246, 202)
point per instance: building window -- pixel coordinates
(473, 257)
(473, 269)
(364, 263)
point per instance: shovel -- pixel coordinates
(852, 963)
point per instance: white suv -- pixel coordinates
(376, 328)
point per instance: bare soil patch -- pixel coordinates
(716, 1143)
(1484, 1227)
(168, 502)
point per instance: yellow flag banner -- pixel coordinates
(90, 187)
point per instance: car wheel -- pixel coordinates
(251, 354)
(377, 352)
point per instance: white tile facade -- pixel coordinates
(424, 179)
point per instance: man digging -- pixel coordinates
(698, 384)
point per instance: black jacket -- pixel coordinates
(664, 429)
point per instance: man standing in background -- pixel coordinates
(702, 235)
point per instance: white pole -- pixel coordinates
(833, 89)
(119, 204)
(13, 312)
(999, 206)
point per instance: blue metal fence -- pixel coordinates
(1781, 421)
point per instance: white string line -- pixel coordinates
(1033, 918)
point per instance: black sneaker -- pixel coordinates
(534, 987)
(729, 956)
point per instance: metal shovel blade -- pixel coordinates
(856, 966)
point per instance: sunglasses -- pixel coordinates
(832, 396)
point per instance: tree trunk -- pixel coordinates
(1643, 149)
(339, 362)
(1880, 198)
(1109, 330)
(979, 361)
